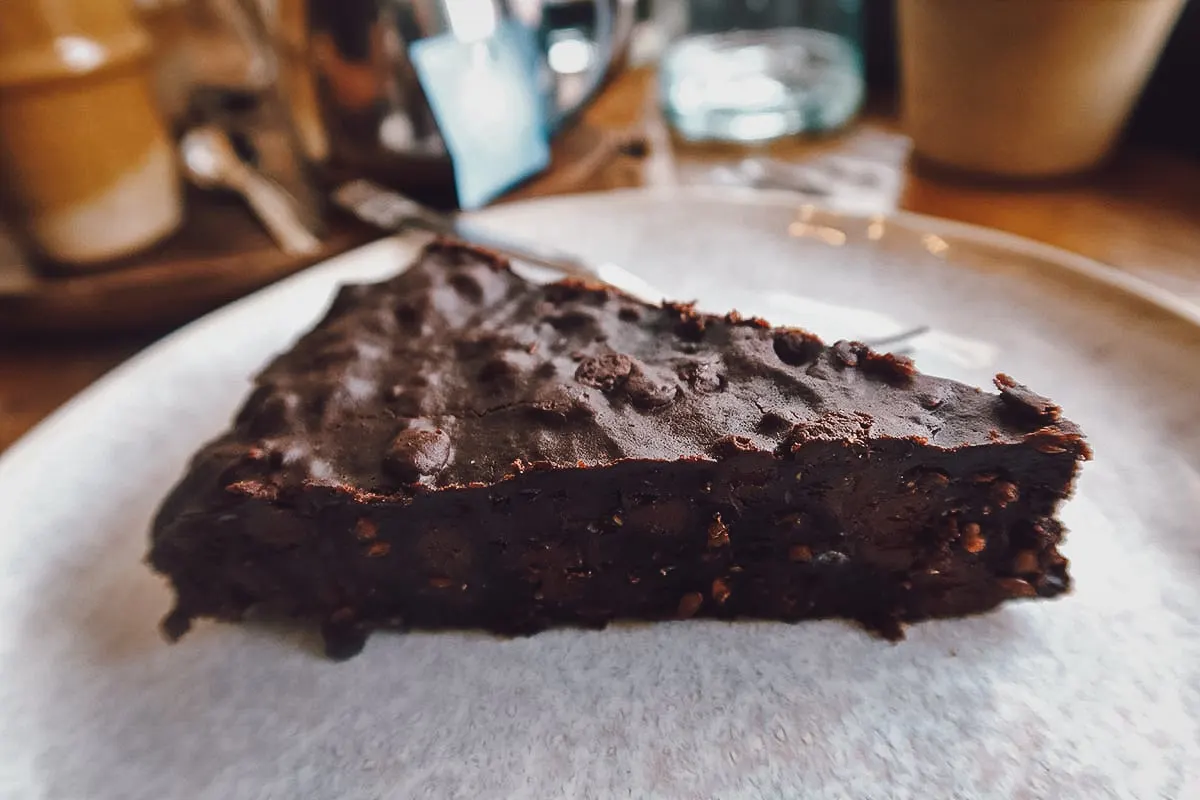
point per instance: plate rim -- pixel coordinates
(1105, 275)
(1092, 269)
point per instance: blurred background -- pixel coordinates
(159, 158)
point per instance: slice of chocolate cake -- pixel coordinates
(457, 447)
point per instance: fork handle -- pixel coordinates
(393, 211)
(521, 251)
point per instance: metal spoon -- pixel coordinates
(211, 163)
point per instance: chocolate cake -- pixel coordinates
(457, 447)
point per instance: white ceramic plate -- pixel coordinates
(1094, 695)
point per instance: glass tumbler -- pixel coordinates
(754, 70)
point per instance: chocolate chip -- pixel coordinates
(972, 539)
(797, 347)
(890, 367)
(647, 392)
(365, 530)
(689, 324)
(831, 426)
(604, 372)
(844, 354)
(570, 289)
(720, 591)
(559, 404)
(774, 423)
(689, 604)
(728, 446)
(344, 636)
(1025, 403)
(415, 453)
(1053, 440)
(931, 400)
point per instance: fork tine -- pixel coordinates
(897, 338)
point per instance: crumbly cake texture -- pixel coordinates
(458, 447)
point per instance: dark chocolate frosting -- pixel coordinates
(459, 372)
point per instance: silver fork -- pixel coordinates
(392, 211)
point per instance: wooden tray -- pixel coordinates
(220, 254)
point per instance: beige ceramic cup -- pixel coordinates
(1025, 88)
(87, 170)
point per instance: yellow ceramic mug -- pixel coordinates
(87, 170)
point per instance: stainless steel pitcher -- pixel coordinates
(354, 97)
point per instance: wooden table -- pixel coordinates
(1141, 214)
